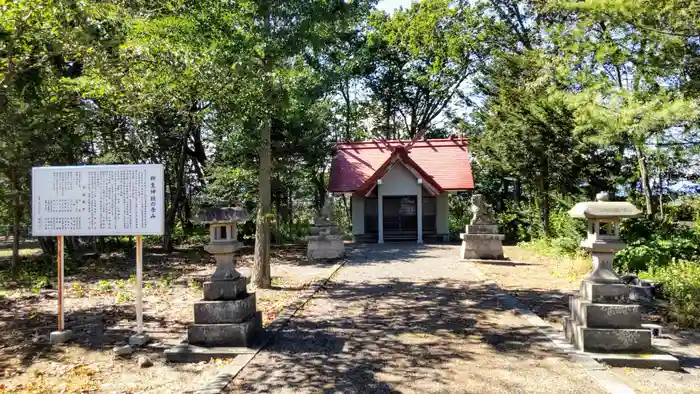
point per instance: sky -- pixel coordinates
(390, 5)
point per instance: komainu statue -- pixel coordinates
(483, 213)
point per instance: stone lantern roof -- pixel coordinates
(222, 215)
(604, 209)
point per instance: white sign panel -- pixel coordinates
(98, 200)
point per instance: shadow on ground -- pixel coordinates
(93, 329)
(394, 331)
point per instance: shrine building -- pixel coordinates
(400, 189)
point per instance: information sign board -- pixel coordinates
(99, 200)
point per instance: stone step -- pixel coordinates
(641, 360)
(224, 311)
(225, 289)
(628, 340)
(233, 334)
(605, 293)
(605, 315)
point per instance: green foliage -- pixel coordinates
(655, 243)
(194, 285)
(681, 286)
(104, 285)
(78, 290)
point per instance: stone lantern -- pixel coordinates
(227, 315)
(603, 320)
(603, 235)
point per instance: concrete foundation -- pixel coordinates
(481, 242)
(57, 337)
(137, 340)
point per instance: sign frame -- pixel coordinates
(156, 170)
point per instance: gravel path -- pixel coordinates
(409, 319)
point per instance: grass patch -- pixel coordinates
(22, 252)
(569, 265)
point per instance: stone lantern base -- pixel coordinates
(481, 241)
(605, 324)
(225, 320)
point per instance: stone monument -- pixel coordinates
(481, 239)
(326, 240)
(604, 322)
(227, 315)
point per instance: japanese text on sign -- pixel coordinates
(97, 200)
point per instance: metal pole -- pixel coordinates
(139, 284)
(59, 259)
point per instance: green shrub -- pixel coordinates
(566, 245)
(653, 253)
(681, 286)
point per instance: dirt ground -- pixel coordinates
(544, 285)
(410, 319)
(100, 311)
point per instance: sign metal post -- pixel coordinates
(59, 260)
(139, 284)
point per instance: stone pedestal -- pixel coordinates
(325, 242)
(227, 315)
(481, 241)
(603, 320)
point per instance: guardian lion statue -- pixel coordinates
(483, 213)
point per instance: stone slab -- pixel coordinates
(137, 340)
(57, 337)
(642, 360)
(225, 289)
(224, 311)
(231, 334)
(490, 249)
(606, 340)
(187, 353)
(481, 229)
(482, 237)
(605, 293)
(605, 315)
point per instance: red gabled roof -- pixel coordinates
(399, 155)
(443, 162)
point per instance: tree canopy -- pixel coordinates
(242, 101)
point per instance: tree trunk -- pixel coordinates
(16, 223)
(646, 186)
(661, 193)
(47, 245)
(16, 220)
(544, 203)
(261, 259)
(175, 199)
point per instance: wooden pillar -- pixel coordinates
(380, 215)
(419, 212)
